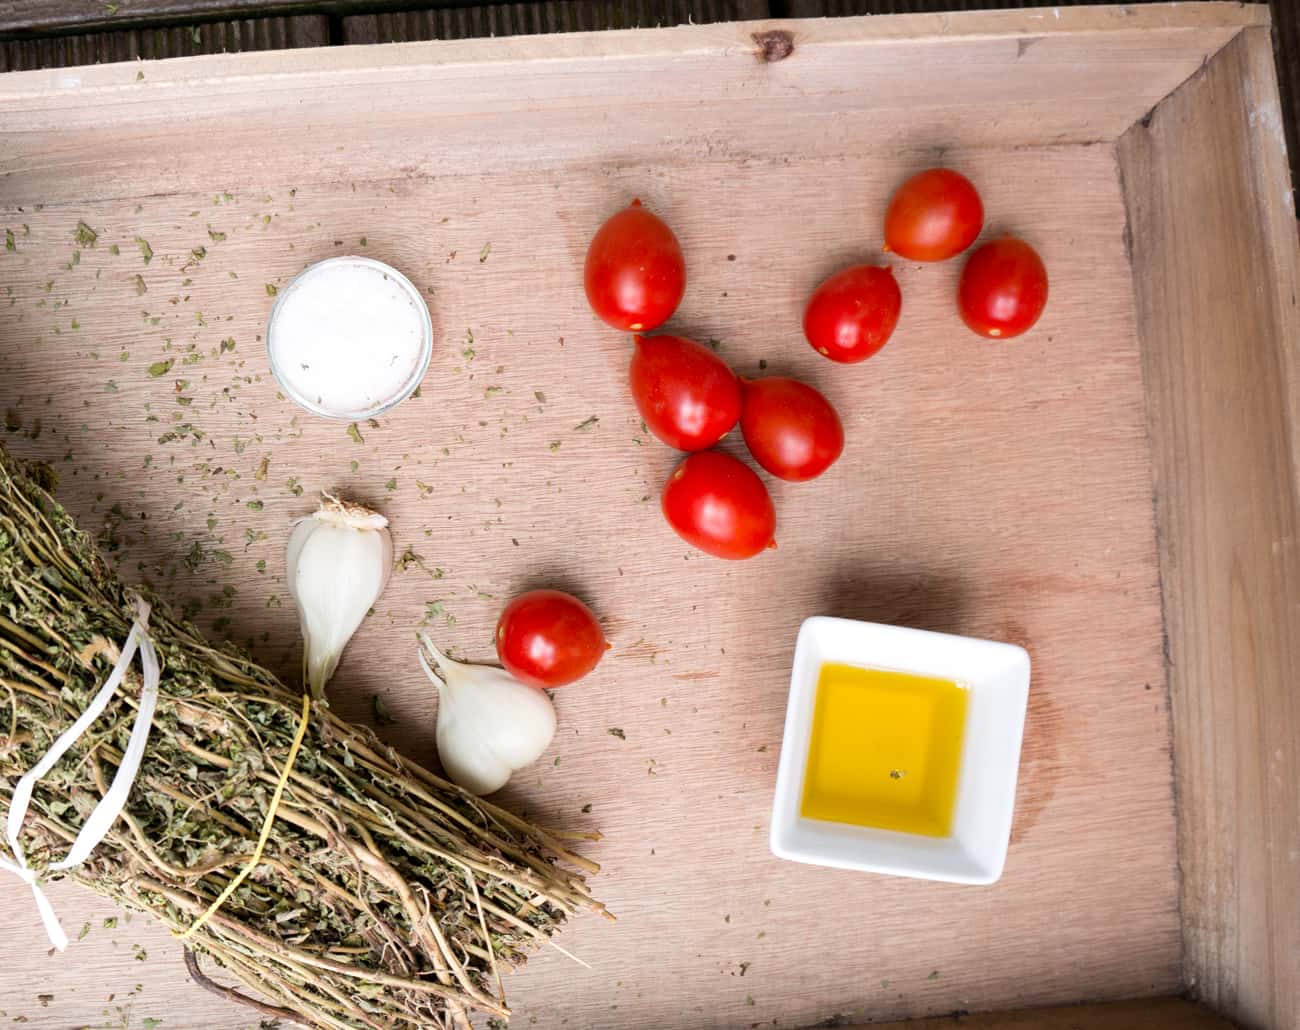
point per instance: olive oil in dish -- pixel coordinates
(885, 750)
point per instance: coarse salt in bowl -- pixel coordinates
(349, 338)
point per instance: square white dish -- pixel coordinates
(997, 677)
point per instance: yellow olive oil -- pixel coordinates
(885, 750)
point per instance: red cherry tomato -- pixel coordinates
(635, 273)
(548, 638)
(687, 395)
(933, 216)
(791, 429)
(1003, 288)
(851, 315)
(718, 504)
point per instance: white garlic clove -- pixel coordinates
(468, 759)
(338, 561)
(489, 724)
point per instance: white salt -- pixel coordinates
(349, 338)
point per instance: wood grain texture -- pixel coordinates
(1147, 1014)
(29, 17)
(25, 18)
(149, 44)
(535, 18)
(1285, 16)
(847, 8)
(997, 491)
(1220, 326)
(994, 491)
(916, 82)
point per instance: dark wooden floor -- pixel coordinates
(60, 33)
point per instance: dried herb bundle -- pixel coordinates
(386, 898)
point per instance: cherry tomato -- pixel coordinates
(933, 216)
(851, 315)
(635, 273)
(791, 429)
(1003, 288)
(687, 395)
(717, 503)
(548, 638)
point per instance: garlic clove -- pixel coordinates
(525, 735)
(466, 756)
(489, 724)
(338, 560)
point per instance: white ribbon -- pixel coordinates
(104, 814)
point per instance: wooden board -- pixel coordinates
(1226, 448)
(516, 19)
(999, 491)
(1148, 1014)
(135, 45)
(602, 97)
(32, 17)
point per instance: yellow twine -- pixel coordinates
(266, 826)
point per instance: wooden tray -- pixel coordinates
(1116, 491)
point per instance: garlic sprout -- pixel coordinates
(338, 562)
(489, 724)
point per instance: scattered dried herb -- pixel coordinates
(586, 424)
(615, 731)
(146, 251)
(85, 235)
(161, 368)
(355, 434)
